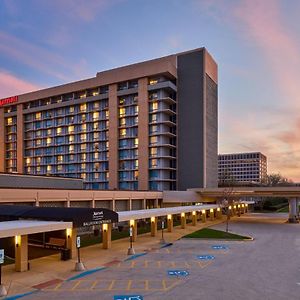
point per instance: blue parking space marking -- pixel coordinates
(128, 297)
(182, 273)
(205, 257)
(219, 247)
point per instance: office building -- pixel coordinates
(147, 126)
(242, 168)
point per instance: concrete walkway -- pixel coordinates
(49, 270)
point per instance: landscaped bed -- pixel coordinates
(207, 233)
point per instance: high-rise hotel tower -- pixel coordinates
(147, 126)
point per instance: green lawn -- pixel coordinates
(207, 233)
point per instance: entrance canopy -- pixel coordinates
(24, 227)
(79, 216)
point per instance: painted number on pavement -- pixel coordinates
(128, 297)
(182, 273)
(1, 256)
(219, 247)
(206, 257)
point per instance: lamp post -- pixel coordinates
(130, 249)
(162, 240)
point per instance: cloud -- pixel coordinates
(39, 58)
(12, 85)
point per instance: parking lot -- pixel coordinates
(266, 268)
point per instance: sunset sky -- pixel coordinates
(256, 44)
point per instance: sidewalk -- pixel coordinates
(48, 270)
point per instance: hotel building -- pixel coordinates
(147, 126)
(242, 167)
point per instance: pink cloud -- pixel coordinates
(11, 85)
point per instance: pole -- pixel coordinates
(78, 254)
(0, 274)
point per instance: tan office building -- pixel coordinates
(147, 126)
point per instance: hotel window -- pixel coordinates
(49, 168)
(136, 164)
(49, 131)
(153, 139)
(83, 156)
(154, 106)
(59, 168)
(48, 141)
(153, 163)
(38, 116)
(71, 129)
(122, 122)
(153, 128)
(106, 114)
(82, 118)
(71, 157)
(38, 133)
(97, 166)
(96, 125)
(38, 169)
(38, 142)
(136, 142)
(82, 106)
(96, 135)
(122, 112)
(153, 81)
(83, 147)
(136, 109)
(59, 130)
(9, 121)
(83, 176)
(96, 175)
(71, 148)
(95, 115)
(121, 101)
(38, 160)
(71, 138)
(60, 121)
(96, 105)
(95, 93)
(71, 109)
(96, 155)
(153, 118)
(59, 158)
(83, 127)
(123, 132)
(83, 137)
(83, 166)
(82, 95)
(28, 161)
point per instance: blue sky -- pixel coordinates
(255, 43)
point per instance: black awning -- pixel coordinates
(80, 216)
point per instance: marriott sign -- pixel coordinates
(9, 100)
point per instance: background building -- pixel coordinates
(147, 126)
(242, 168)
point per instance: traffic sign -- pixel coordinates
(78, 242)
(205, 257)
(178, 273)
(128, 297)
(219, 247)
(1, 256)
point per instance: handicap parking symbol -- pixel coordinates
(205, 257)
(219, 247)
(128, 297)
(178, 273)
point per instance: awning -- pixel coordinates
(80, 216)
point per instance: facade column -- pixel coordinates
(170, 223)
(106, 236)
(143, 134)
(113, 136)
(153, 226)
(20, 139)
(133, 225)
(219, 213)
(144, 203)
(71, 241)
(211, 214)
(183, 220)
(21, 253)
(2, 140)
(203, 216)
(292, 210)
(194, 218)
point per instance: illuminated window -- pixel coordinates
(38, 133)
(83, 127)
(71, 129)
(153, 151)
(122, 122)
(96, 175)
(136, 174)
(48, 141)
(95, 93)
(95, 115)
(83, 95)
(153, 162)
(136, 109)
(83, 137)
(96, 105)
(49, 131)
(38, 169)
(136, 164)
(71, 148)
(28, 169)
(153, 118)
(9, 121)
(49, 168)
(59, 168)
(71, 109)
(154, 106)
(38, 160)
(38, 142)
(121, 101)
(153, 139)
(107, 114)
(136, 120)
(59, 130)
(59, 158)
(123, 132)
(83, 176)
(96, 135)
(153, 128)
(153, 81)
(107, 145)
(136, 142)
(122, 112)
(83, 147)
(28, 160)
(38, 116)
(71, 138)
(96, 155)
(82, 107)
(83, 166)
(83, 156)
